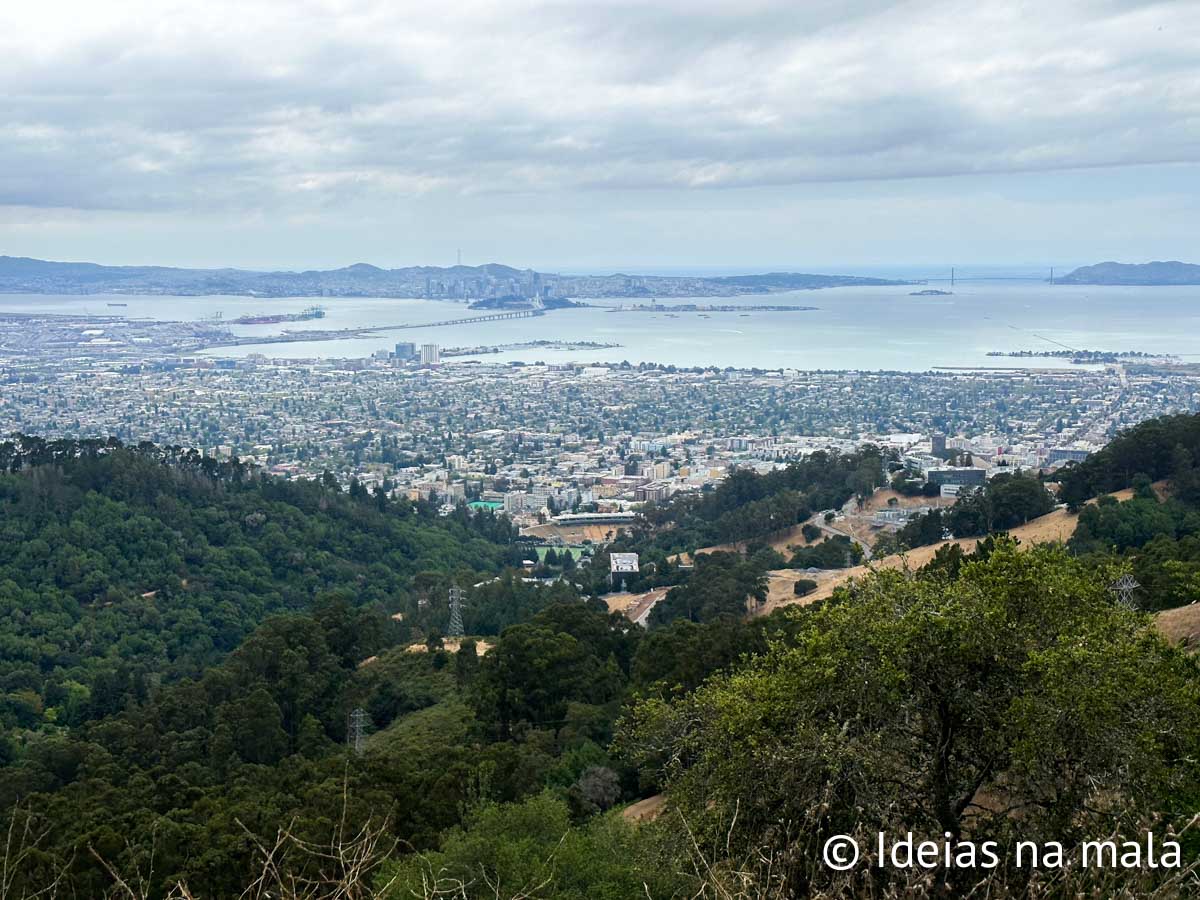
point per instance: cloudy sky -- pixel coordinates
(587, 135)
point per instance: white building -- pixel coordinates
(620, 566)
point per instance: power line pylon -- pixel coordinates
(1122, 589)
(356, 734)
(457, 601)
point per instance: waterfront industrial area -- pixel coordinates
(34, 335)
(51, 335)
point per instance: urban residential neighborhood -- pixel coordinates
(544, 441)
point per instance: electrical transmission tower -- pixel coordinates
(457, 601)
(1123, 589)
(356, 734)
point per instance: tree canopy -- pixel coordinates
(936, 704)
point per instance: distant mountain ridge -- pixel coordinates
(34, 276)
(1151, 273)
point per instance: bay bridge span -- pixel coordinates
(490, 317)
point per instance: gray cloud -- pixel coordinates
(254, 105)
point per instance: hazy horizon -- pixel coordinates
(907, 269)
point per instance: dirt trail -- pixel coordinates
(635, 607)
(645, 810)
(452, 645)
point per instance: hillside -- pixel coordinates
(121, 567)
(1181, 625)
(1054, 527)
(1057, 526)
(492, 280)
(1152, 273)
(201, 664)
(186, 645)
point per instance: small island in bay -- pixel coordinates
(514, 302)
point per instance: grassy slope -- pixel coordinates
(1058, 525)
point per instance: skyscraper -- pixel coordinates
(430, 356)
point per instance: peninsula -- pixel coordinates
(1145, 274)
(21, 275)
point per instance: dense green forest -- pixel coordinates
(121, 568)
(1163, 448)
(747, 505)
(184, 643)
(1157, 531)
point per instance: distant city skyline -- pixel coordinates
(584, 137)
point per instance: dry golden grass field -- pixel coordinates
(1055, 526)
